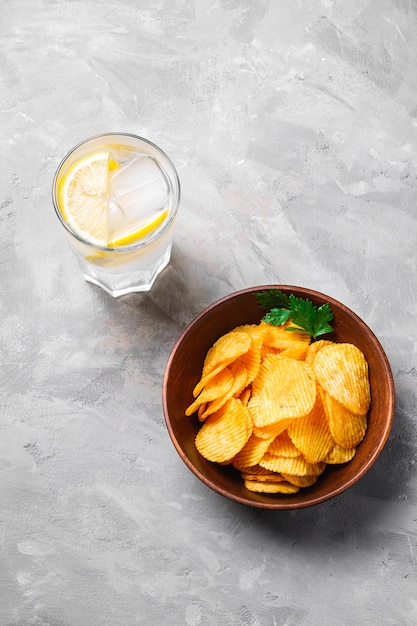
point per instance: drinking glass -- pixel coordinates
(146, 179)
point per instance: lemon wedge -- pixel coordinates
(83, 197)
(142, 231)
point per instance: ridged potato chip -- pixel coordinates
(261, 474)
(251, 453)
(341, 369)
(338, 455)
(238, 380)
(297, 352)
(279, 338)
(283, 389)
(311, 434)
(245, 395)
(213, 406)
(283, 446)
(287, 465)
(218, 387)
(346, 428)
(314, 347)
(223, 352)
(270, 487)
(300, 481)
(226, 349)
(225, 432)
(273, 430)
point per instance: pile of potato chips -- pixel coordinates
(279, 408)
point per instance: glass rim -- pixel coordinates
(134, 245)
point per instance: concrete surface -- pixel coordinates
(294, 129)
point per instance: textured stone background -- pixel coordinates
(293, 126)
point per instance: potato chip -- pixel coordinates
(223, 352)
(338, 455)
(346, 428)
(239, 374)
(267, 350)
(273, 430)
(226, 349)
(286, 465)
(283, 446)
(280, 338)
(300, 481)
(218, 387)
(255, 331)
(245, 395)
(201, 411)
(269, 487)
(251, 362)
(225, 432)
(251, 453)
(311, 434)
(314, 347)
(252, 358)
(296, 352)
(283, 389)
(341, 369)
(260, 473)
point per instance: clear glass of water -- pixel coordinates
(138, 209)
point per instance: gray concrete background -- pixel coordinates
(294, 129)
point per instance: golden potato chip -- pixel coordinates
(225, 432)
(269, 487)
(261, 474)
(311, 434)
(252, 358)
(245, 395)
(346, 428)
(251, 453)
(267, 350)
(296, 352)
(251, 361)
(273, 430)
(226, 349)
(205, 380)
(283, 446)
(212, 407)
(240, 374)
(200, 412)
(314, 347)
(300, 481)
(283, 389)
(287, 465)
(339, 455)
(342, 370)
(218, 387)
(223, 352)
(255, 331)
(280, 338)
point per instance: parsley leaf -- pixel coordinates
(272, 298)
(307, 317)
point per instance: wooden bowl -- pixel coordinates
(183, 371)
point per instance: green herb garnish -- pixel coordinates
(308, 318)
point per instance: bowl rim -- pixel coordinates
(283, 504)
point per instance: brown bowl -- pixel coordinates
(183, 371)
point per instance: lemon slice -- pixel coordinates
(83, 197)
(146, 229)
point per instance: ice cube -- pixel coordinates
(138, 190)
